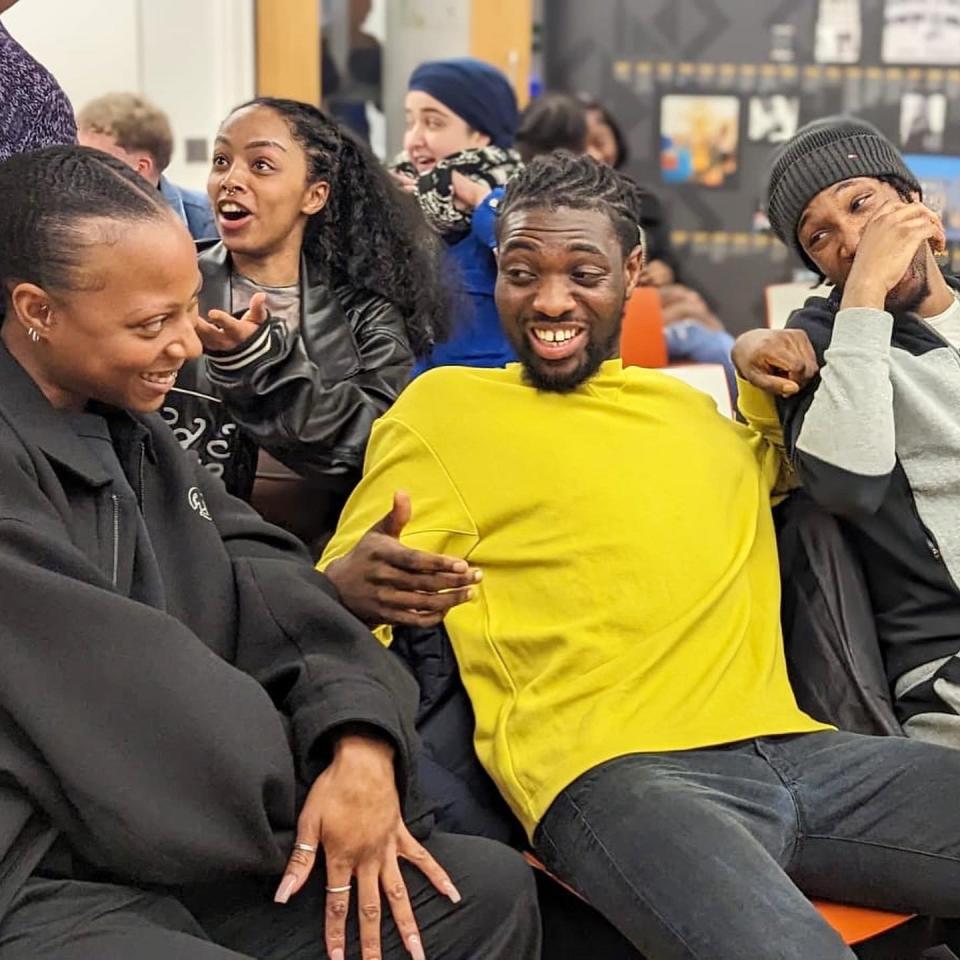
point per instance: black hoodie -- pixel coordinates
(172, 666)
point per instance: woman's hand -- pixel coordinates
(404, 181)
(468, 194)
(382, 581)
(221, 332)
(353, 813)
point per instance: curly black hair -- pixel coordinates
(553, 121)
(47, 196)
(370, 235)
(589, 102)
(560, 179)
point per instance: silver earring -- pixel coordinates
(33, 335)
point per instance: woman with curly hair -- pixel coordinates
(323, 290)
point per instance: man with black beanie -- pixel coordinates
(874, 434)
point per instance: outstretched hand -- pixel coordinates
(780, 362)
(383, 582)
(352, 813)
(221, 332)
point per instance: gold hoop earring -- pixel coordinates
(33, 335)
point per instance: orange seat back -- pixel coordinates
(857, 924)
(642, 343)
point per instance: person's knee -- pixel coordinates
(494, 880)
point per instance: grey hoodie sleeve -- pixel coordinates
(839, 431)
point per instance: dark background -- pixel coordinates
(629, 53)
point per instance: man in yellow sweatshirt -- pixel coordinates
(622, 651)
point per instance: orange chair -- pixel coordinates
(854, 924)
(642, 343)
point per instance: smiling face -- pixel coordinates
(831, 226)
(126, 326)
(434, 132)
(562, 283)
(259, 185)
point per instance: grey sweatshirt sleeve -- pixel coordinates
(840, 431)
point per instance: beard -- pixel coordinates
(538, 374)
(913, 288)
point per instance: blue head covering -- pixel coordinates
(473, 90)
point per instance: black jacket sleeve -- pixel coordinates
(839, 430)
(325, 669)
(313, 414)
(154, 755)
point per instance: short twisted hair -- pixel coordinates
(47, 196)
(577, 183)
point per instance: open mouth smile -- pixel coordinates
(556, 342)
(232, 214)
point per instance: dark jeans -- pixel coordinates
(704, 853)
(79, 920)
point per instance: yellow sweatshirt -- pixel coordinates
(630, 598)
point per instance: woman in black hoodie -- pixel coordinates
(191, 726)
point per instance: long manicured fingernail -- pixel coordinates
(452, 892)
(285, 889)
(416, 949)
(477, 576)
(336, 953)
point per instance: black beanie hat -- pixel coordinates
(819, 155)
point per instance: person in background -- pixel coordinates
(203, 755)
(605, 140)
(693, 332)
(325, 287)
(553, 121)
(461, 121)
(133, 130)
(34, 110)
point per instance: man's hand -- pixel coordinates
(381, 581)
(353, 813)
(219, 331)
(778, 361)
(887, 247)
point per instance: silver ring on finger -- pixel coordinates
(345, 889)
(305, 847)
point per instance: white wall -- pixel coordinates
(418, 30)
(193, 58)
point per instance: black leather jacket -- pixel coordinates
(307, 398)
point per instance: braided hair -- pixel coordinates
(577, 183)
(46, 198)
(370, 235)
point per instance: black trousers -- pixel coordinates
(55, 919)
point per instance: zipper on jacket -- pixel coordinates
(116, 537)
(140, 479)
